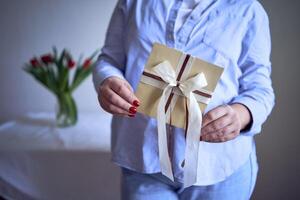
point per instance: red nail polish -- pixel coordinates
(136, 103)
(132, 110)
(131, 115)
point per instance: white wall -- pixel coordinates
(32, 27)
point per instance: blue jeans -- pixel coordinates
(238, 186)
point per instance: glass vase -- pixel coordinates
(66, 114)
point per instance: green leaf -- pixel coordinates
(60, 61)
(81, 74)
(64, 80)
(39, 75)
(78, 69)
(84, 73)
(54, 52)
(94, 54)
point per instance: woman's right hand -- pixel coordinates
(116, 96)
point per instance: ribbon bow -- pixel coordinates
(166, 72)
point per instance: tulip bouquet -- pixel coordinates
(53, 71)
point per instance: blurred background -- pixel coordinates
(32, 27)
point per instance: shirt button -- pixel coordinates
(181, 39)
(193, 17)
(170, 36)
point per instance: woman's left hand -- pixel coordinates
(224, 123)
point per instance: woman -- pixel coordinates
(233, 34)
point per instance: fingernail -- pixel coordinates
(132, 110)
(201, 138)
(131, 115)
(136, 103)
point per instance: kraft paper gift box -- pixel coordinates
(149, 95)
(175, 88)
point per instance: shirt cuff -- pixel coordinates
(104, 70)
(255, 124)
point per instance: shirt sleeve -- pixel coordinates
(255, 91)
(112, 60)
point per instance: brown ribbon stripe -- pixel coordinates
(178, 79)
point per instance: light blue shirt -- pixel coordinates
(231, 34)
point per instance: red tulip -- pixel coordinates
(34, 62)
(86, 63)
(71, 64)
(47, 58)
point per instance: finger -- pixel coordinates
(136, 101)
(220, 133)
(123, 89)
(126, 84)
(213, 137)
(228, 129)
(214, 114)
(217, 124)
(231, 135)
(111, 108)
(116, 100)
(217, 137)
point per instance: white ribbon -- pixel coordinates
(167, 73)
(161, 84)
